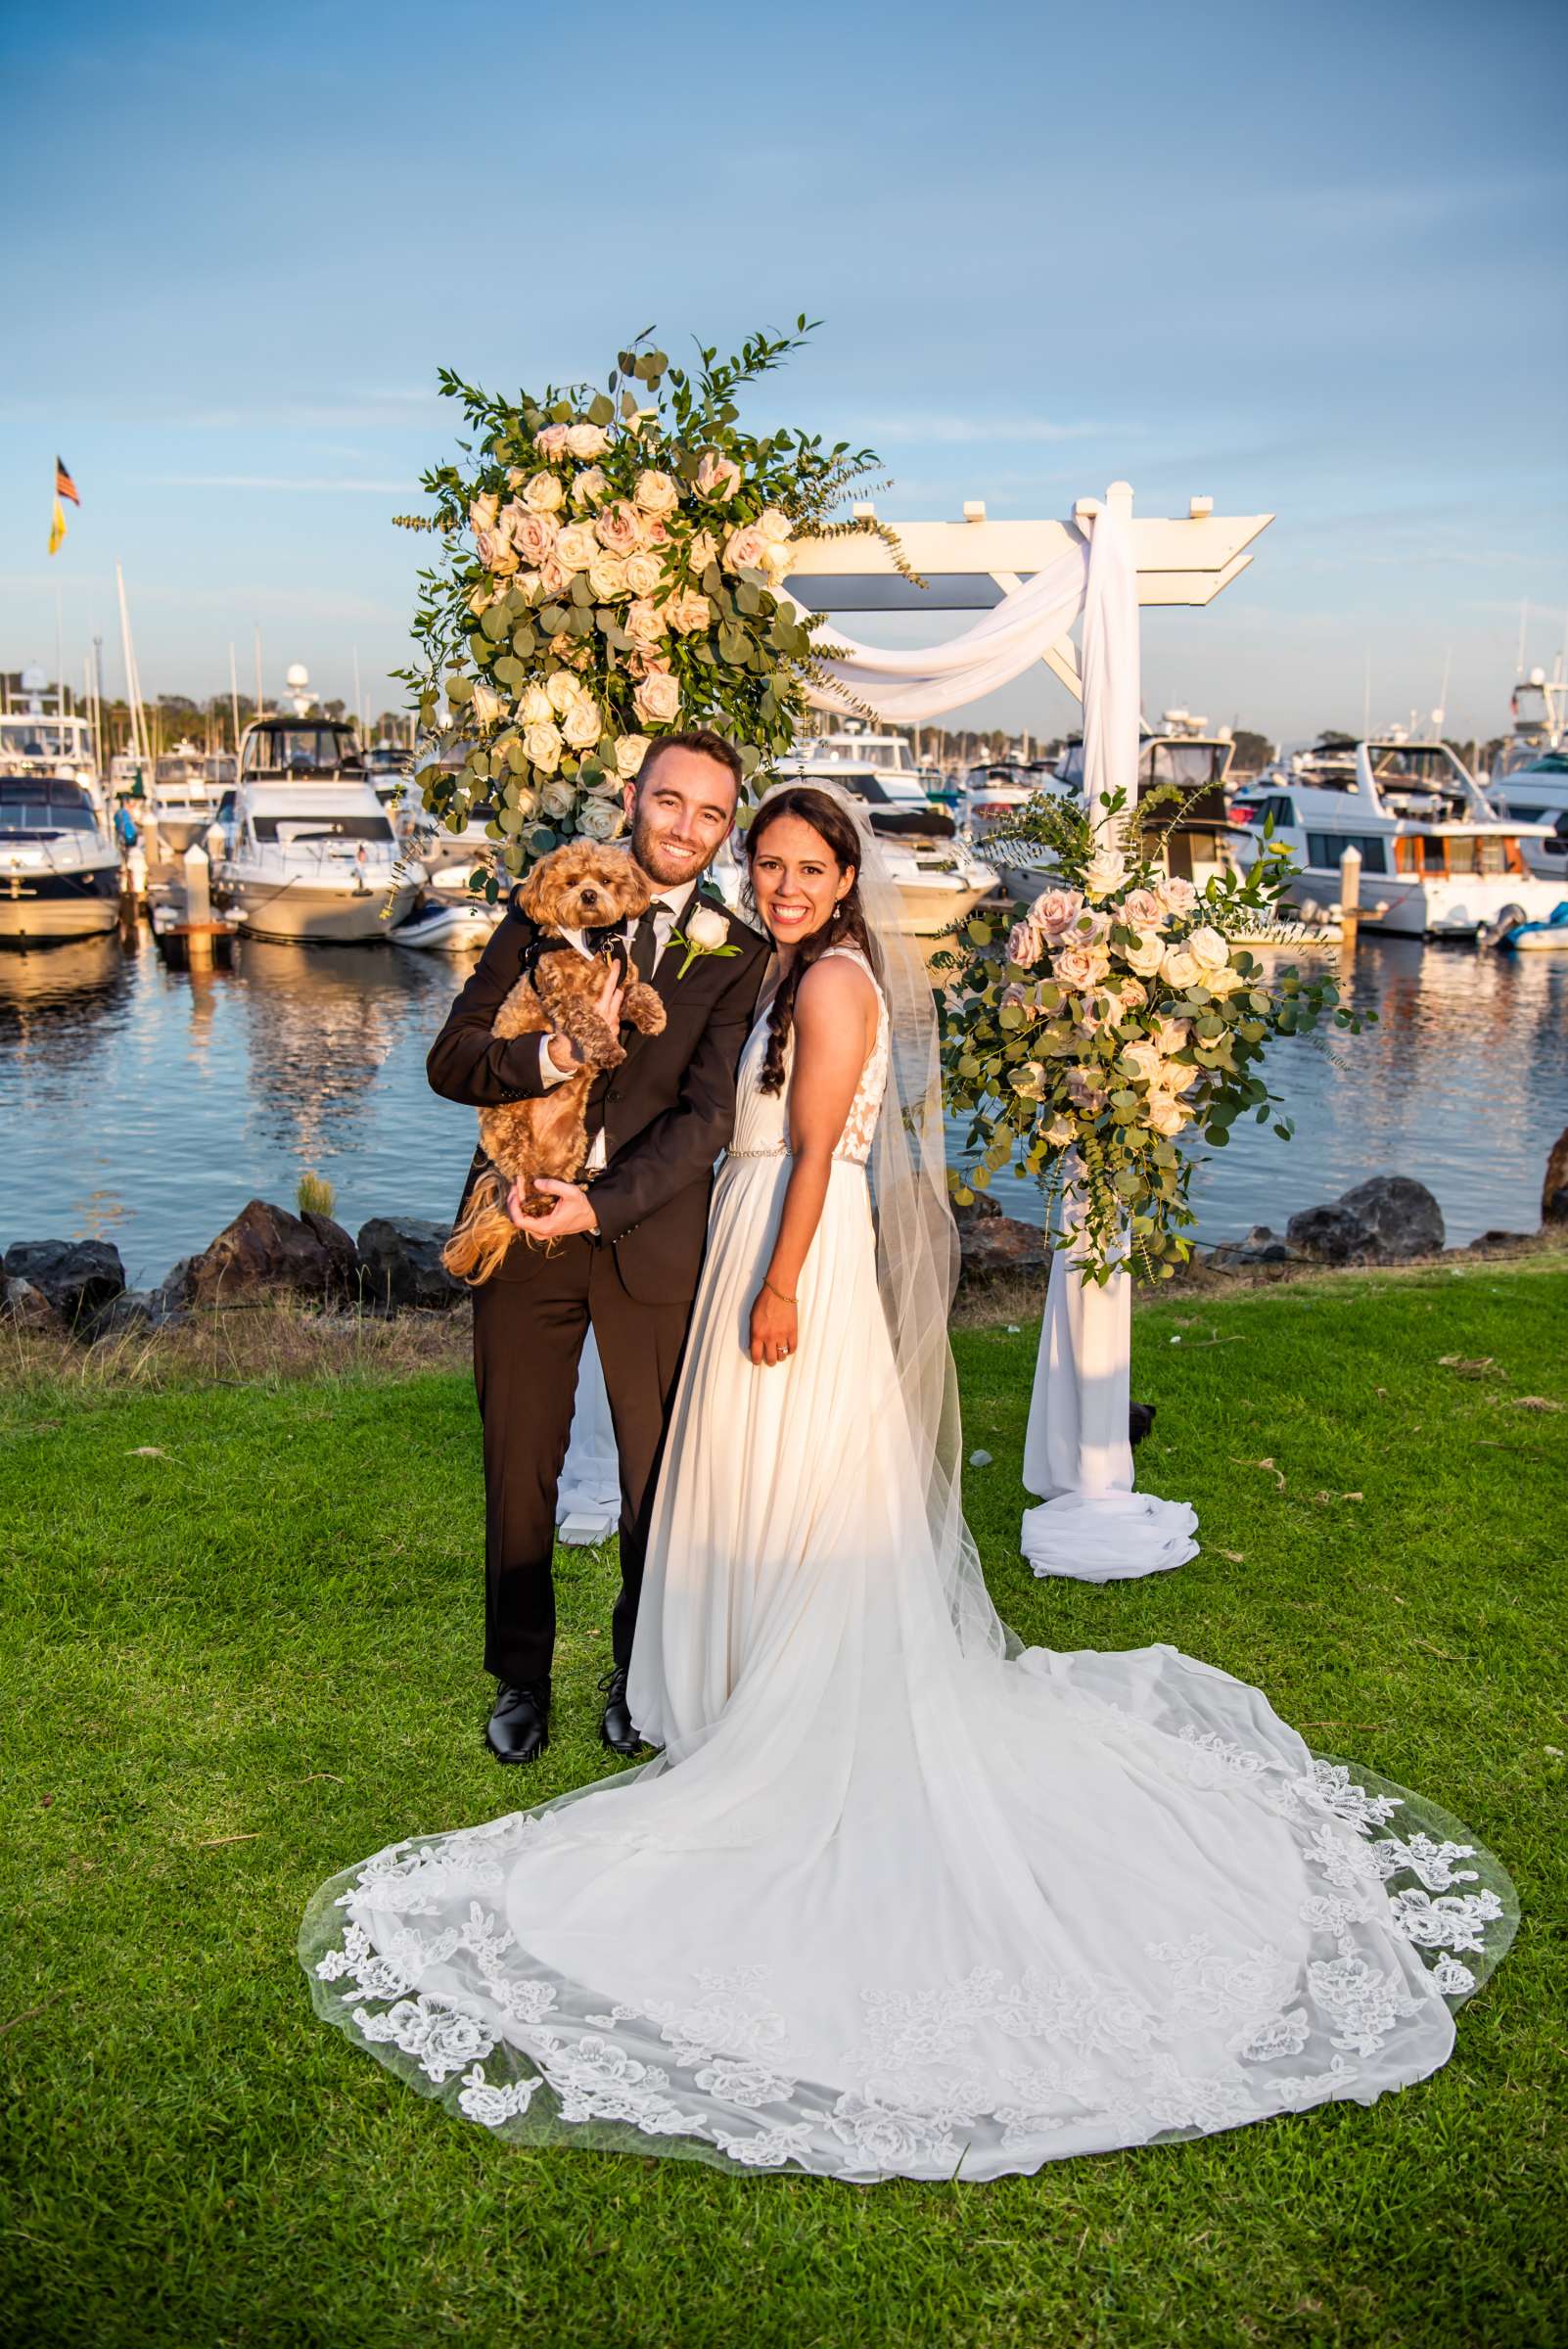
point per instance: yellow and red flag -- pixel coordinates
(64, 486)
(56, 528)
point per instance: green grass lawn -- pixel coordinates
(243, 1631)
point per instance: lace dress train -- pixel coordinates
(884, 1907)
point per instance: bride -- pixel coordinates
(896, 1899)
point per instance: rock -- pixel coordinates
(77, 1276)
(1330, 1235)
(1404, 1216)
(177, 1278)
(400, 1263)
(1555, 1190)
(991, 1243)
(263, 1251)
(26, 1308)
(1502, 1243)
(1261, 1246)
(132, 1309)
(342, 1253)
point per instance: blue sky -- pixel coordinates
(1307, 262)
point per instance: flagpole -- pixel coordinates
(359, 699)
(234, 707)
(259, 672)
(60, 657)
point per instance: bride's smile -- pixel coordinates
(797, 880)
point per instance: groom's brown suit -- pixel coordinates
(666, 1114)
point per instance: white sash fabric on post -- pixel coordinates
(1090, 1524)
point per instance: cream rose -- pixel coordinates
(644, 573)
(532, 534)
(602, 819)
(532, 584)
(1060, 1132)
(1144, 955)
(717, 478)
(562, 691)
(487, 704)
(1164, 1114)
(1131, 994)
(688, 613)
(1220, 984)
(1178, 968)
(630, 752)
(1055, 911)
(535, 707)
(644, 621)
(707, 928)
(656, 493)
(557, 799)
(1175, 895)
(1143, 1060)
(576, 546)
(1028, 1078)
(1104, 872)
(480, 601)
(590, 486)
(619, 529)
(1208, 948)
(552, 440)
(1081, 966)
(743, 549)
(1083, 1093)
(656, 700)
(543, 494)
(554, 577)
(1141, 909)
(607, 575)
(1171, 1036)
(775, 526)
(1176, 1076)
(541, 747)
(1025, 943)
(703, 550)
(777, 561)
(585, 441)
(581, 725)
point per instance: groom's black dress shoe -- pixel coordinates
(520, 1722)
(616, 1728)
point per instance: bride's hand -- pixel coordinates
(775, 1328)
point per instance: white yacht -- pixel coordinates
(1539, 708)
(1436, 860)
(311, 851)
(1536, 794)
(994, 793)
(939, 880)
(1195, 833)
(59, 868)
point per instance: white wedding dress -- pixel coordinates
(892, 1903)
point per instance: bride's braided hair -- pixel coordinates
(848, 926)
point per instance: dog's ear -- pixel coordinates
(634, 893)
(535, 896)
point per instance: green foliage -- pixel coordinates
(540, 644)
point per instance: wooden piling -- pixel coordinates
(198, 905)
(1350, 897)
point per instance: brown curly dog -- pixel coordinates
(580, 886)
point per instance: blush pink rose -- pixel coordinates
(1175, 895)
(656, 700)
(717, 478)
(1055, 911)
(619, 529)
(553, 439)
(744, 549)
(1080, 967)
(1024, 944)
(1141, 909)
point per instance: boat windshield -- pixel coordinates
(41, 738)
(286, 829)
(1189, 765)
(306, 749)
(1411, 774)
(41, 803)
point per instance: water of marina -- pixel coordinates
(145, 1107)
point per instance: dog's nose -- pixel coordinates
(590, 897)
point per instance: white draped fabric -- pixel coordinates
(1090, 1524)
(587, 1506)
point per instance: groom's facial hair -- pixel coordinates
(648, 836)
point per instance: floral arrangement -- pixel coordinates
(613, 567)
(1117, 1021)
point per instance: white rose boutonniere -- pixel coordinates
(707, 932)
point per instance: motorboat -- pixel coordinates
(447, 917)
(938, 879)
(1537, 794)
(1191, 836)
(1538, 710)
(1550, 937)
(388, 769)
(59, 868)
(993, 794)
(1436, 861)
(187, 790)
(310, 852)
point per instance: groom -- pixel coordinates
(623, 1250)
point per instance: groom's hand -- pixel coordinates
(573, 1209)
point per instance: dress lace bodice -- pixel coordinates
(761, 1120)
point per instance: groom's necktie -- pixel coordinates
(645, 945)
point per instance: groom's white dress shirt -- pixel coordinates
(667, 908)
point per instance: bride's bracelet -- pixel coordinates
(778, 1291)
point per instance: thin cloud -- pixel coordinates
(305, 484)
(953, 430)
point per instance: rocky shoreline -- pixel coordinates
(269, 1255)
